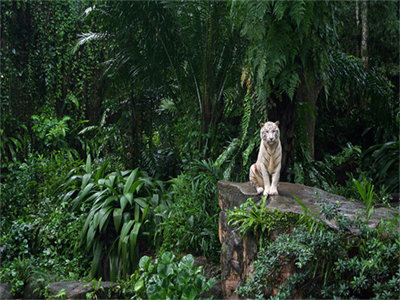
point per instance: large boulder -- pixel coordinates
(238, 253)
(5, 291)
(77, 289)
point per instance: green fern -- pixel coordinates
(247, 109)
(283, 36)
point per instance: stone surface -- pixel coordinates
(237, 253)
(5, 291)
(77, 289)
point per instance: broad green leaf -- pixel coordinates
(109, 201)
(137, 213)
(130, 180)
(90, 235)
(85, 191)
(117, 215)
(88, 165)
(129, 197)
(167, 257)
(189, 292)
(68, 195)
(105, 212)
(98, 198)
(136, 186)
(87, 223)
(138, 285)
(114, 190)
(155, 199)
(162, 269)
(114, 266)
(141, 201)
(85, 180)
(144, 262)
(97, 256)
(123, 202)
(111, 180)
(96, 218)
(227, 153)
(145, 212)
(183, 276)
(124, 231)
(100, 172)
(132, 241)
(187, 261)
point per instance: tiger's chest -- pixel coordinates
(272, 159)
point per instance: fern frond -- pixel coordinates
(85, 38)
(297, 12)
(246, 117)
(224, 156)
(247, 152)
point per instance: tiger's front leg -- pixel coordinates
(275, 179)
(265, 177)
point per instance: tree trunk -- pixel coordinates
(364, 33)
(285, 112)
(94, 99)
(208, 85)
(357, 45)
(307, 93)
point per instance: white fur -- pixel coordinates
(268, 161)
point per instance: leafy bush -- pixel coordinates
(190, 221)
(33, 224)
(382, 163)
(17, 273)
(30, 186)
(330, 172)
(119, 206)
(14, 140)
(329, 264)
(17, 242)
(56, 243)
(167, 278)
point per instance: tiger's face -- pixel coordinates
(270, 132)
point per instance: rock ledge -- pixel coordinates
(237, 253)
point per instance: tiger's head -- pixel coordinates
(269, 132)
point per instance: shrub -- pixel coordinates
(119, 206)
(18, 241)
(167, 278)
(29, 187)
(17, 273)
(190, 220)
(36, 227)
(382, 164)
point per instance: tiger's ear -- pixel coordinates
(261, 125)
(277, 123)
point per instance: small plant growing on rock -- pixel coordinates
(259, 219)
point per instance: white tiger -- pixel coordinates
(268, 161)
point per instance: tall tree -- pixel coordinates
(288, 56)
(188, 51)
(364, 32)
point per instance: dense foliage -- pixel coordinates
(119, 117)
(327, 264)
